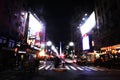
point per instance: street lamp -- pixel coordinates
(48, 46)
(71, 43)
(51, 47)
(49, 43)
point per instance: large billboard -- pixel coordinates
(89, 24)
(85, 29)
(85, 42)
(35, 31)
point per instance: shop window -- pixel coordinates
(11, 43)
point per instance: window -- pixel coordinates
(11, 43)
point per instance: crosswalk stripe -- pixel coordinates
(87, 68)
(92, 68)
(73, 68)
(67, 67)
(80, 68)
(47, 67)
(41, 67)
(99, 69)
(51, 67)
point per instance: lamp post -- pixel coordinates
(49, 43)
(71, 44)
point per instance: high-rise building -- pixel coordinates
(13, 22)
(16, 28)
(13, 15)
(107, 31)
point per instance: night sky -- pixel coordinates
(58, 15)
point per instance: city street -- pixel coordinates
(72, 72)
(59, 40)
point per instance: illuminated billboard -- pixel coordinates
(86, 42)
(89, 24)
(85, 29)
(35, 31)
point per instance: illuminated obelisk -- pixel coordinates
(60, 49)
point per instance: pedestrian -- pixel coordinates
(63, 63)
(36, 64)
(57, 61)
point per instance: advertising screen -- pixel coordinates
(34, 25)
(34, 31)
(89, 24)
(86, 42)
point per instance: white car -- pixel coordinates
(70, 60)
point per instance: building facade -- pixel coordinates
(107, 31)
(13, 15)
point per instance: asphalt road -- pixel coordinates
(73, 72)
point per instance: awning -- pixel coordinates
(111, 47)
(116, 46)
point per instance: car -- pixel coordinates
(81, 61)
(70, 61)
(78, 61)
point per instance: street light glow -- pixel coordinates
(86, 14)
(71, 44)
(54, 49)
(49, 43)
